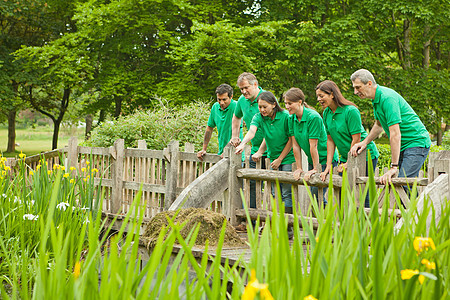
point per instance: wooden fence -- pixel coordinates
(171, 178)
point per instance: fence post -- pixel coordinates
(172, 174)
(117, 176)
(234, 185)
(72, 154)
(439, 163)
(356, 167)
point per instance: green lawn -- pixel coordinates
(32, 141)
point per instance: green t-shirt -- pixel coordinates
(248, 109)
(276, 134)
(310, 127)
(390, 108)
(341, 125)
(222, 120)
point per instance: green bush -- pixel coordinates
(158, 127)
(385, 155)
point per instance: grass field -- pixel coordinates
(32, 141)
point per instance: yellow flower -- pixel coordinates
(7, 168)
(63, 168)
(87, 163)
(94, 170)
(83, 169)
(317, 239)
(3, 173)
(85, 179)
(429, 265)
(421, 279)
(77, 270)
(21, 155)
(3, 159)
(253, 287)
(49, 172)
(421, 243)
(88, 176)
(38, 167)
(408, 273)
(72, 180)
(56, 166)
(66, 175)
(309, 297)
(72, 168)
(31, 173)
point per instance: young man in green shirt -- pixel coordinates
(221, 115)
(246, 108)
(408, 137)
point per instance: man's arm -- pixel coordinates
(206, 139)
(376, 130)
(394, 140)
(235, 128)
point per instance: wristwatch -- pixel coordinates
(394, 165)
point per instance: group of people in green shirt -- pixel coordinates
(280, 134)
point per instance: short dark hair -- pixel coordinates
(330, 87)
(249, 77)
(225, 88)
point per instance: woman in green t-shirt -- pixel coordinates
(307, 132)
(273, 122)
(342, 121)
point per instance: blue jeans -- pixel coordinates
(411, 161)
(253, 182)
(285, 188)
(315, 189)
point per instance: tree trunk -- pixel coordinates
(56, 125)
(407, 27)
(89, 120)
(439, 137)
(11, 131)
(426, 48)
(118, 110)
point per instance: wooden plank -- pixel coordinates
(93, 150)
(208, 158)
(264, 214)
(286, 177)
(398, 181)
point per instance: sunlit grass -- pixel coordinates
(32, 141)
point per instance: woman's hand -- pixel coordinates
(298, 174)
(239, 148)
(308, 174)
(257, 156)
(341, 167)
(275, 164)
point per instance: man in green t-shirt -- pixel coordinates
(408, 137)
(221, 115)
(246, 108)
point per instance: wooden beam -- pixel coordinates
(267, 214)
(286, 177)
(399, 181)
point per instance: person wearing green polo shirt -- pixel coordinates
(342, 121)
(220, 116)
(272, 121)
(409, 139)
(307, 132)
(247, 108)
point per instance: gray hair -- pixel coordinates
(249, 77)
(364, 75)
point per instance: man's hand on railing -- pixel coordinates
(298, 174)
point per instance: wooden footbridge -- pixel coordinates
(171, 179)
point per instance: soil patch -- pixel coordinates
(210, 227)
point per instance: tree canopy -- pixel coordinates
(128, 54)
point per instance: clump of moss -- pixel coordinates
(210, 227)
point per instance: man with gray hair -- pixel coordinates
(409, 139)
(246, 108)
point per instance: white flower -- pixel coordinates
(30, 217)
(17, 200)
(62, 206)
(86, 221)
(84, 208)
(32, 202)
(4, 195)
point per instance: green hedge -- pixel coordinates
(158, 127)
(385, 155)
